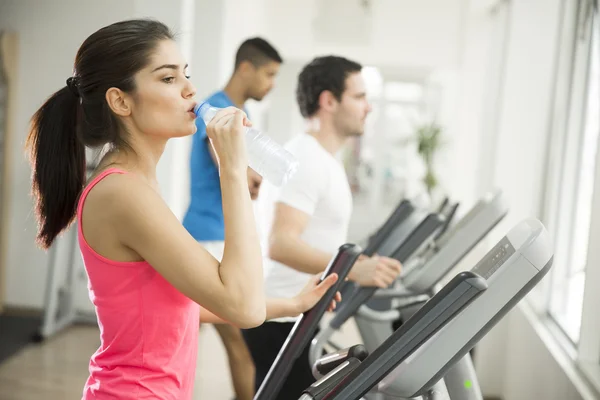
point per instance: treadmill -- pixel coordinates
(306, 326)
(420, 275)
(341, 368)
(413, 361)
(388, 246)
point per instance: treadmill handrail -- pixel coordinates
(413, 242)
(453, 246)
(443, 204)
(488, 198)
(400, 214)
(427, 321)
(307, 324)
(449, 218)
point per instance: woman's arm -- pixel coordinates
(276, 308)
(289, 307)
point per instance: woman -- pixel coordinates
(147, 275)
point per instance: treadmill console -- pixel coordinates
(494, 258)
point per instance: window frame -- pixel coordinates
(588, 353)
(581, 20)
(572, 148)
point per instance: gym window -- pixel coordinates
(570, 296)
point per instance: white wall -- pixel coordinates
(283, 117)
(46, 55)
(475, 63)
(532, 372)
(402, 33)
(240, 20)
(523, 129)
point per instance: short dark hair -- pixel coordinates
(257, 51)
(321, 74)
(78, 115)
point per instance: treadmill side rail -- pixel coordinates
(306, 325)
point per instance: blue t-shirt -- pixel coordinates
(204, 217)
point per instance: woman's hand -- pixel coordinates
(314, 291)
(226, 132)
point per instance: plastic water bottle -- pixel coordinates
(265, 156)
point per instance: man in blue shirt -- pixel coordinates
(256, 66)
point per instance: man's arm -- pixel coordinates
(297, 202)
(286, 245)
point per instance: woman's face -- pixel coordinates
(163, 101)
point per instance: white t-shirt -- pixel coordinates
(320, 189)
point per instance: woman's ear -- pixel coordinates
(118, 102)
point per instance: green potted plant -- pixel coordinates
(429, 141)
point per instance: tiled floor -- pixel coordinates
(54, 370)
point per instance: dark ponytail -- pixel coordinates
(57, 157)
(78, 115)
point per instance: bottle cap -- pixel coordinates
(201, 109)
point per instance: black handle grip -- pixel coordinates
(321, 388)
(443, 204)
(306, 326)
(331, 361)
(448, 221)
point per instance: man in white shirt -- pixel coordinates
(307, 219)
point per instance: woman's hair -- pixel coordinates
(78, 115)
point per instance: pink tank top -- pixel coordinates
(148, 330)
